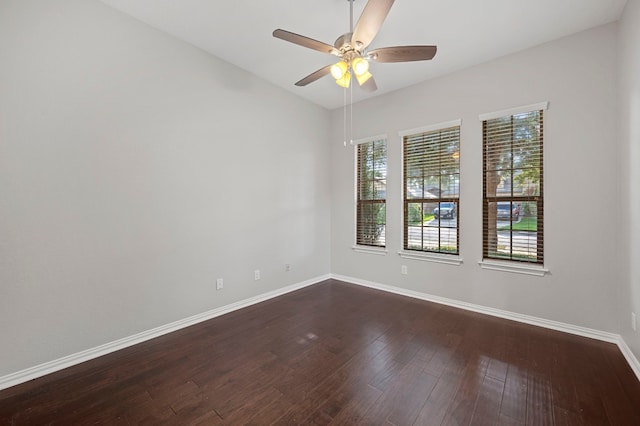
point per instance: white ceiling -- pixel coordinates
(467, 32)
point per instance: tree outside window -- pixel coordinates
(513, 187)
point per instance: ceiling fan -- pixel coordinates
(351, 48)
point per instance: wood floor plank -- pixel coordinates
(341, 354)
(462, 407)
(563, 417)
(514, 399)
(441, 397)
(539, 400)
(356, 409)
(271, 411)
(487, 406)
(410, 391)
(442, 358)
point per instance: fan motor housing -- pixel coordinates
(343, 43)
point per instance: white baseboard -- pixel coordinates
(629, 356)
(89, 354)
(540, 322)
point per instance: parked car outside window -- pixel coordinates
(445, 210)
(503, 211)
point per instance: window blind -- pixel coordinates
(513, 187)
(371, 163)
(431, 163)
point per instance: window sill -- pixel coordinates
(538, 271)
(432, 257)
(379, 251)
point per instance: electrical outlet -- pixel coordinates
(287, 267)
(219, 284)
(634, 325)
(256, 274)
(403, 270)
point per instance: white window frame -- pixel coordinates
(448, 259)
(503, 265)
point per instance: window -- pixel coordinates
(431, 165)
(513, 185)
(371, 188)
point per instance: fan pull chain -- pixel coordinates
(344, 116)
(351, 112)
(351, 85)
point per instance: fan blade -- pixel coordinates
(314, 76)
(369, 85)
(370, 21)
(305, 41)
(403, 53)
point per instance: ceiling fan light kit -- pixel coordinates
(363, 78)
(360, 65)
(351, 48)
(345, 80)
(339, 69)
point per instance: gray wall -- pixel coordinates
(134, 171)
(577, 76)
(629, 67)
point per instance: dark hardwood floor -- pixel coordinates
(335, 353)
